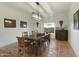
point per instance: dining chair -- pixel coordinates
(21, 47)
(24, 47)
(24, 34)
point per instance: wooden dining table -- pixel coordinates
(36, 42)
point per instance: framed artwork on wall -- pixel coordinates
(76, 20)
(9, 23)
(23, 24)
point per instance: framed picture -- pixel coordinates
(9, 23)
(76, 20)
(23, 24)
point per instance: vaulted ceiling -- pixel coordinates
(46, 9)
(49, 8)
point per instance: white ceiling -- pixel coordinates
(49, 8)
(60, 6)
(46, 9)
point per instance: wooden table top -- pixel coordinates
(32, 38)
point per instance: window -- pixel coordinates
(49, 27)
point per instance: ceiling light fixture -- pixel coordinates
(35, 15)
(37, 3)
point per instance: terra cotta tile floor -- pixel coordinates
(56, 49)
(59, 49)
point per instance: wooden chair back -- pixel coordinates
(24, 34)
(23, 46)
(21, 42)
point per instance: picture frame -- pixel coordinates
(76, 20)
(23, 24)
(9, 23)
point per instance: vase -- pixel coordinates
(61, 23)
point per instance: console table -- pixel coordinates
(61, 35)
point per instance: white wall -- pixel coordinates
(40, 27)
(57, 16)
(8, 35)
(61, 16)
(73, 34)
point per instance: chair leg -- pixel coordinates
(21, 52)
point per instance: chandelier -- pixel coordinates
(35, 15)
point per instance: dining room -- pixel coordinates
(28, 29)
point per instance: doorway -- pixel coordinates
(50, 28)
